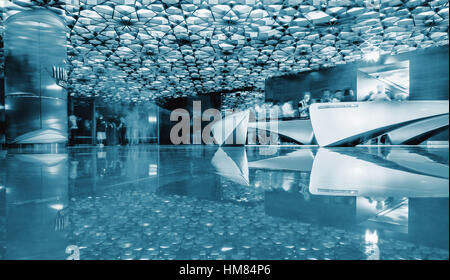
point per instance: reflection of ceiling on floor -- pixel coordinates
(150, 49)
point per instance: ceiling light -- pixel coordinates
(372, 56)
(57, 206)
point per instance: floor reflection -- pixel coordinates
(34, 211)
(204, 202)
(355, 188)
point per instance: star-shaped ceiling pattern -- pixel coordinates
(150, 49)
(241, 100)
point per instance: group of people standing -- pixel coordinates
(78, 127)
(111, 131)
(346, 95)
(380, 94)
(288, 110)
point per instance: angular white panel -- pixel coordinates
(225, 128)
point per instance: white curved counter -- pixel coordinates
(298, 130)
(353, 123)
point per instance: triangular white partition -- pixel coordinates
(223, 129)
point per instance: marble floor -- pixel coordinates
(205, 202)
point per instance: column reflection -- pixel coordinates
(36, 201)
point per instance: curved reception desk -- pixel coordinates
(233, 129)
(419, 131)
(348, 124)
(353, 123)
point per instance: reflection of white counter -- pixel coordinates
(41, 136)
(300, 160)
(394, 172)
(235, 167)
(352, 123)
(400, 174)
(232, 166)
(43, 159)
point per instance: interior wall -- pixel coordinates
(141, 119)
(365, 84)
(293, 87)
(429, 76)
(207, 102)
(83, 109)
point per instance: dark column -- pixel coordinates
(2, 111)
(35, 56)
(2, 205)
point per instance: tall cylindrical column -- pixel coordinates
(35, 56)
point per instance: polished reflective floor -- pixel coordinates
(205, 202)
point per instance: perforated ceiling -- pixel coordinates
(151, 49)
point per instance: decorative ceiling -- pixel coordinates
(139, 50)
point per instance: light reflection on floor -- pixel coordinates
(205, 202)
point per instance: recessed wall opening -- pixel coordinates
(393, 78)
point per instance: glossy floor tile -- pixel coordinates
(205, 202)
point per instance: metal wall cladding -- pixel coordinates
(23, 115)
(35, 42)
